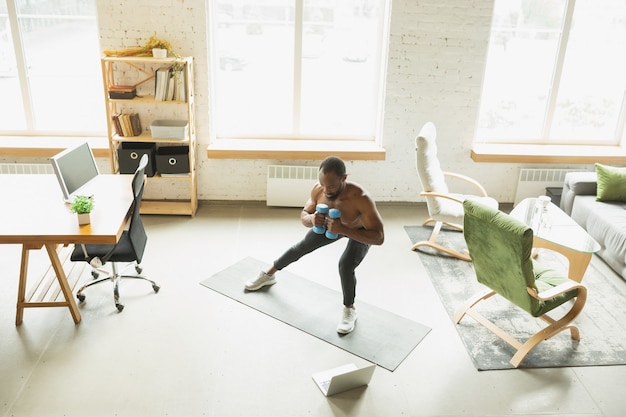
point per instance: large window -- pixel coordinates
(556, 73)
(49, 68)
(298, 69)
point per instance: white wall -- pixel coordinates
(436, 60)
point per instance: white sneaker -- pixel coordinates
(261, 281)
(349, 320)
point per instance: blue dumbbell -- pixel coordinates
(322, 209)
(333, 214)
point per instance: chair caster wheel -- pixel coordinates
(138, 269)
(119, 307)
(156, 288)
(81, 297)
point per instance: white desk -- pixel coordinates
(36, 216)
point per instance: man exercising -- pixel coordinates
(360, 222)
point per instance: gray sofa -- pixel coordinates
(604, 221)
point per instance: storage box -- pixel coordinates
(169, 129)
(125, 92)
(129, 154)
(172, 160)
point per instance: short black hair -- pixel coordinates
(333, 164)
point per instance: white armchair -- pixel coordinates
(444, 207)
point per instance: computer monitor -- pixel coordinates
(74, 168)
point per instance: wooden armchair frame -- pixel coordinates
(554, 326)
(493, 236)
(432, 241)
(435, 187)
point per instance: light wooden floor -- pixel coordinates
(189, 351)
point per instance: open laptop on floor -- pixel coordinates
(75, 168)
(343, 378)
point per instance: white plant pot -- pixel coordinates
(84, 218)
(159, 53)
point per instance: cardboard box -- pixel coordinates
(129, 154)
(169, 129)
(172, 160)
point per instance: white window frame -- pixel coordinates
(619, 138)
(24, 83)
(374, 138)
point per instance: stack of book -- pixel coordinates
(170, 84)
(127, 124)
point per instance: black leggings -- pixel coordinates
(350, 259)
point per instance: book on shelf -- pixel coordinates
(126, 127)
(162, 78)
(170, 84)
(117, 125)
(135, 124)
(169, 95)
(126, 124)
(180, 84)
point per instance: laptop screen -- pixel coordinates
(74, 167)
(343, 378)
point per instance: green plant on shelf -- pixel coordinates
(178, 66)
(178, 74)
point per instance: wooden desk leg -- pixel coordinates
(62, 278)
(21, 290)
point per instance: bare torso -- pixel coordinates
(359, 220)
(349, 202)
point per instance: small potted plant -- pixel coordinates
(159, 47)
(82, 206)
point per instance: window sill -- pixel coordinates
(549, 154)
(45, 147)
(294, 149)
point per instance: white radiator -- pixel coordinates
(289, 186)
(533, 181)
(8, 168)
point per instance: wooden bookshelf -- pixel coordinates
(140, 73)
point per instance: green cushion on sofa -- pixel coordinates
(611, 183)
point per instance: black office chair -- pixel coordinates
(129, 249)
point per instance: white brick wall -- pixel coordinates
(436, 57)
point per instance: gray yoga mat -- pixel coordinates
(380, 337)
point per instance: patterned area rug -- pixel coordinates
(602, 323)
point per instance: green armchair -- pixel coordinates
(501, 247)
